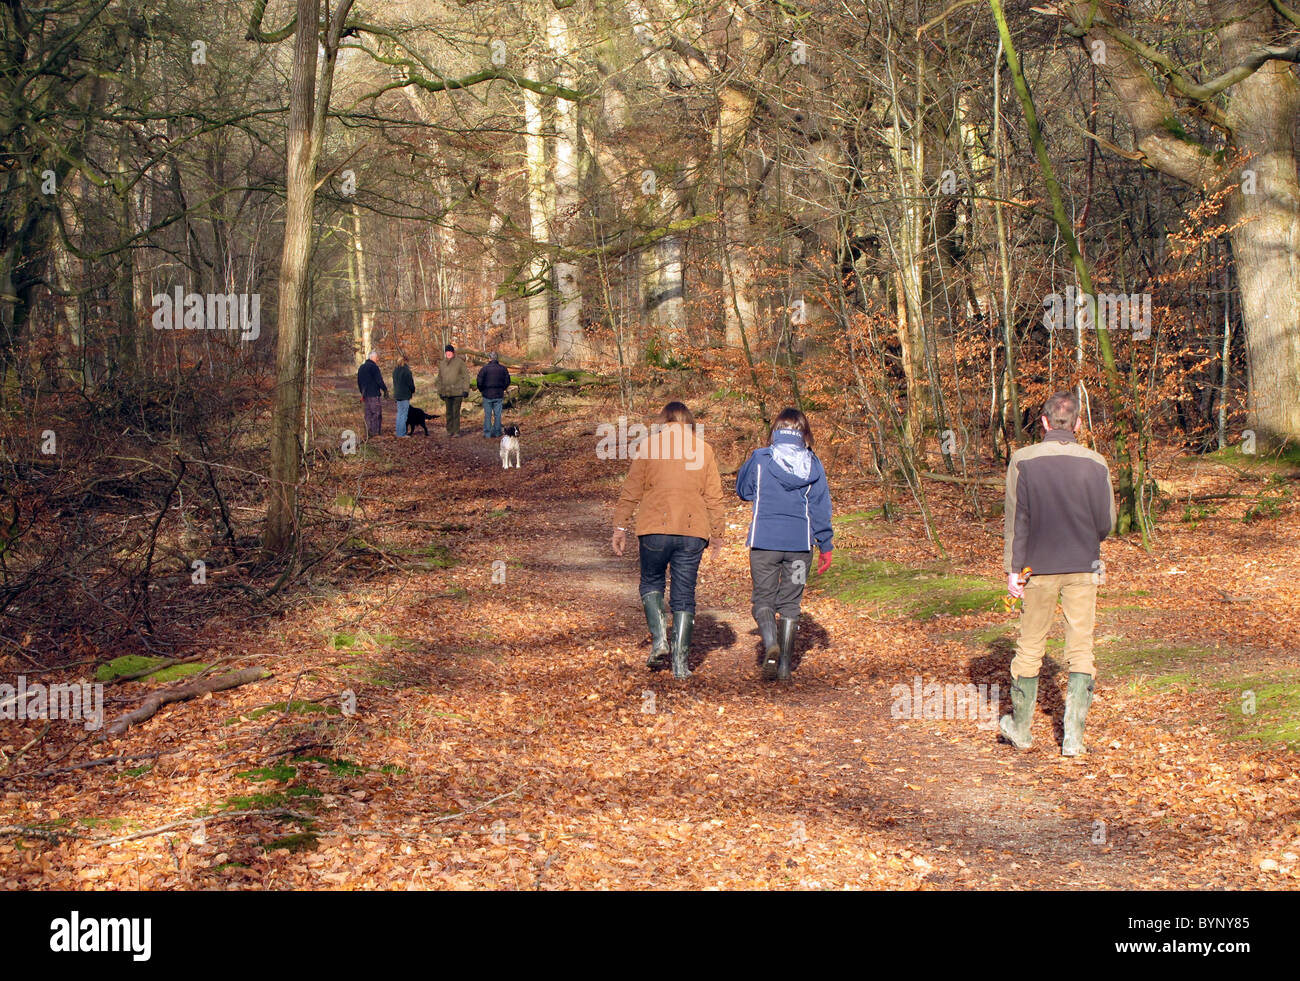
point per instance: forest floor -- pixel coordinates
(507, 734)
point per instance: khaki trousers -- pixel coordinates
(1077, 592)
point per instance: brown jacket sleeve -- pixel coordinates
(713, 496)
(630, 496)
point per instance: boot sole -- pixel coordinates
(1027, 744)
(771, 664)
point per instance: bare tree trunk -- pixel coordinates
(538, 343)
(362, 289)
(570, 344)
(308, 112)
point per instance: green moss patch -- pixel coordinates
(340, 768)
(161, 669)
(1265, 709)
(889, 589)
(282, 773)
(303, 841)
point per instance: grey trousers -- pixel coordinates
(779, 579)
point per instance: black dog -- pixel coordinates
(416, 417)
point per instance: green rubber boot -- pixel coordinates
(1015, 727)
(683, 624)
(766, 620)
(785, 635)
(657, 620)
(1078, 696)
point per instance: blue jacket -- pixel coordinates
(792, 501)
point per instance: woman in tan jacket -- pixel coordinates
(674, 488)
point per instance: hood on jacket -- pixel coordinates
(796, 466)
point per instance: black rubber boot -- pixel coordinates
(766, 620)
(1078, 696)
(657, 620)
(683, 624)
(785, 637)
(1015, 727)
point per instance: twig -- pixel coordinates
(19, 755)
(190, 822)
(179, 694)
(486, 804)
(88, 763)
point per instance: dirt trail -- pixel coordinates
(961, 810)
(507, 733)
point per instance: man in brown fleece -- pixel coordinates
(1059, 508)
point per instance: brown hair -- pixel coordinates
(1062, 411)
(794, 419)
(675, 412)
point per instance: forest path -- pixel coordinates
(809, 784)
(507, 733)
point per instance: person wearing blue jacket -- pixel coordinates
(792, 512)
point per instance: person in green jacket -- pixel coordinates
(403, 389)
(453, 386)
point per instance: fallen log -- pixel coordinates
(994, 482)
(182, 693)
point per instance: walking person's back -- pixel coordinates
(492, 382)
(1059, 508)
(674, 488)
(791, 511)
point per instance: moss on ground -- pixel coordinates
(890, 589)
(130, 664)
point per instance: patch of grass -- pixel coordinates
(130, 664)
(281, 773)
(114, 823)
(366, 641)
(296, 707)
(137, 771)
(1128, 659)
(1265, 709)
(1233, 456)
(855, 517)
(303, 841)
(898, 590)
(301, 798)
(340, 768)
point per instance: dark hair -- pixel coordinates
(1062, 411)
(794, 419)
(450, 348)
(676, 412)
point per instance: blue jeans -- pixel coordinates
(682, 554)
(492, 416)
(402, 407)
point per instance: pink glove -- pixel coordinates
(824, 562)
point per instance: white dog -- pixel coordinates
(510, 444)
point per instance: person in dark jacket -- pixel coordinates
(453, 386)
(493, 380)
(370, 381)
(403, 389)
(1059, 509)
(792, 512)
